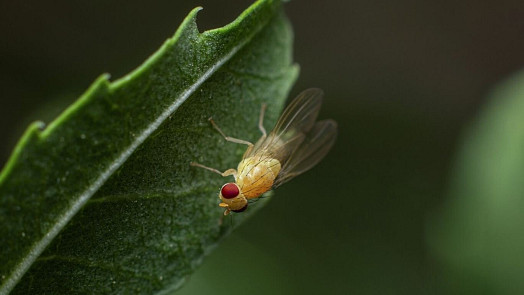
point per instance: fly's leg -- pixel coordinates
(228, 172)
(236, 140)
(261, 121)
(231, 139)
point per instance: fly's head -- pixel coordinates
(232, 198)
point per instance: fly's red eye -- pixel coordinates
(229, 190)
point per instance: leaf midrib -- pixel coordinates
(23, 266)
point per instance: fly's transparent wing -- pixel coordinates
(312, 149)
(297, 142)
(297, 120)
(301, 113)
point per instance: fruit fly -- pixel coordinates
(296, 144)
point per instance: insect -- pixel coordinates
(296, 144)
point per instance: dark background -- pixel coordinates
(402, 78)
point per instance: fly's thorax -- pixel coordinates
(256, 175)
(231, 196)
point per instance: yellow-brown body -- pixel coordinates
(255, 176)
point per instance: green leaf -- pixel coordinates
(104, 198)
(479, 234)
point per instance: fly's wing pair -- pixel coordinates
(298, 141)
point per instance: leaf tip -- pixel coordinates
(190, 21)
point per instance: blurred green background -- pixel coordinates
(395, 207)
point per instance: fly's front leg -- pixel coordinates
(228, 172)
